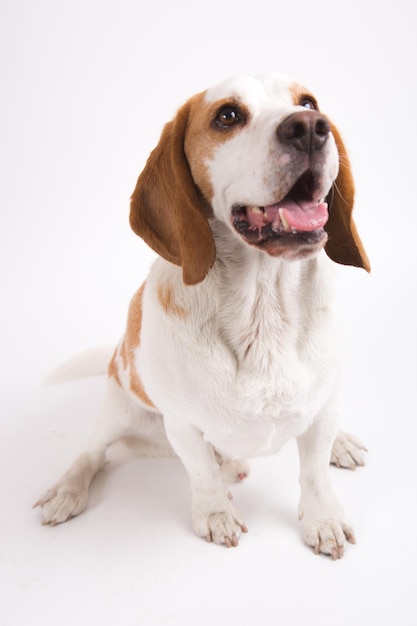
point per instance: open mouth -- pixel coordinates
(298, 218)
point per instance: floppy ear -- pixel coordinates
(344, 244)
(167, 209)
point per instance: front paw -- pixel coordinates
(328, 535)
(63, 501)
(224, 527)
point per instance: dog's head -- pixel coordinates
(256, 154)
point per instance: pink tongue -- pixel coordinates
(304, 216)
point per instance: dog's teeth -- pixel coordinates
(257, 210)
(283, 219)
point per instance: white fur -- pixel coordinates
(89, 363)
(251, 365)
(265, 172)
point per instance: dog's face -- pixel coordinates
(265, 159)
(256, 154)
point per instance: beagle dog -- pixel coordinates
(229, 349)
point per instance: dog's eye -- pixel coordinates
(308, 103)
(228, 116)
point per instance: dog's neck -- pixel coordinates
(267, 303)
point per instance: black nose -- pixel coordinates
(305, 130)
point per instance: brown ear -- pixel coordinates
(344, 244)
(166, 207)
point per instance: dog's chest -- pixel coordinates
(253, 365)
(273, 371)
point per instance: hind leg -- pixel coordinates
(69, 495)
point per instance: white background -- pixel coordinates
(86, 86)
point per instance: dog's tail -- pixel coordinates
(92, 362)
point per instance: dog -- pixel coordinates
(229, 349)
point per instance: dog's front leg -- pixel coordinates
(326, 527)
(213, 514)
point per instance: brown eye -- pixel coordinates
(228, 116)
(308, 103)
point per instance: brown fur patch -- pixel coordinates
(167, 302)
(298, 92)
(168, 209)
(113, 370)
(123, 354)
(137, 388)
(203, 137)
(131, 342)
(344, 244)
(134, 321)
